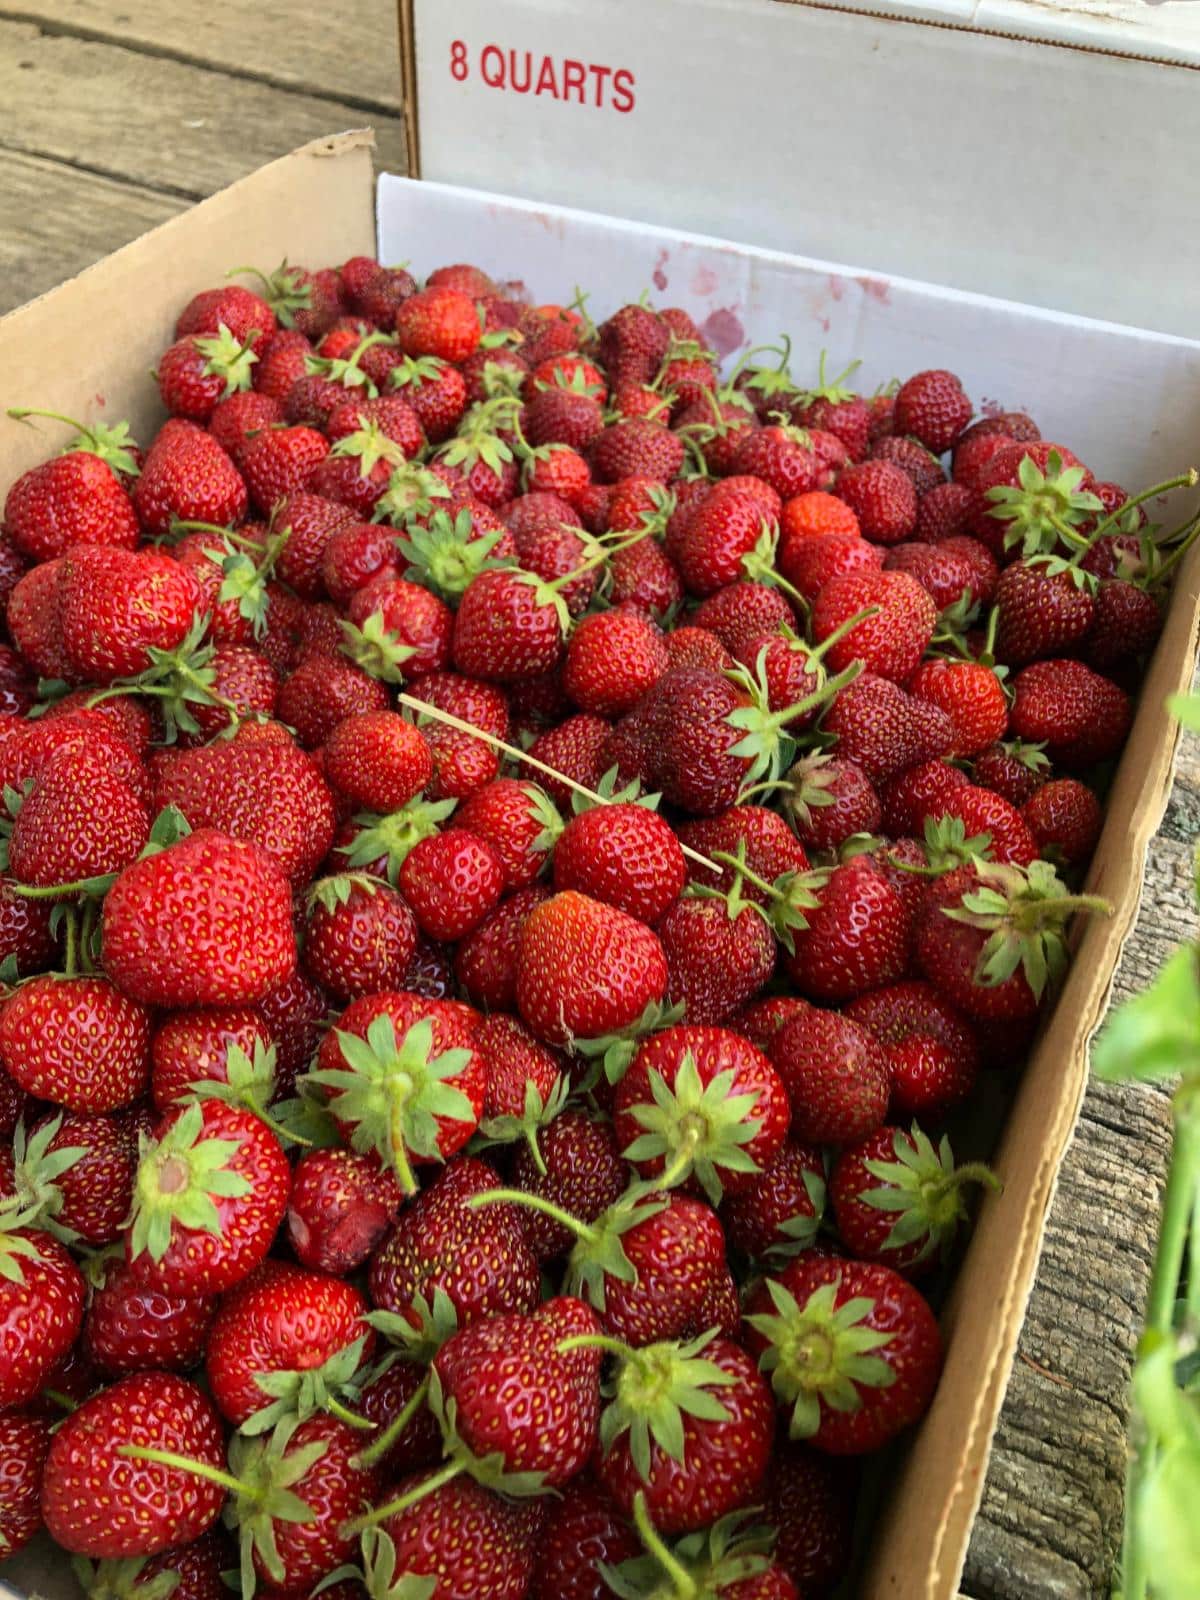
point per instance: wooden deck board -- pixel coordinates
(118, 112)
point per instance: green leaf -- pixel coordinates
(1155, 1035)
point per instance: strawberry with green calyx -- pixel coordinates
(481, 455)
(77, 1041)
(191, 1572)
(112, 443)
(198, 371)
(307, 301)
(413, 492)
(701, 1103)
(614, 1051)
(77, 496)
(405, 1080)
(209, 1196)
(445, 553)
(898, 1200)
(526, 1086)
(729, 1561)
(851, 1349)
(766, 743)
(689, 1425)
(782, 905)
(376, 648)
(645, 1264)
(178, 680)
(360, 936)
(991, 935)
(780, 1211)
(347, 370)
(42, 1295)
(35, 1192)
(1039, 497)
(390, 838)
(251, 1085)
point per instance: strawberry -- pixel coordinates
(882, 497)
(76, 498)
(971, 695)
(586, 969)
(324, 690)
(742, 614)
(1064, 817)
(815, 514)
(41, 1308)
(285, 1345)
(79, 821)
(209, 1195)
(583, 1175)
(584, 1531)
(561, 413)
(452, 880)
(778, 1211)
(681, 738)
(958, 572)
(161, 1505)
(187, 475)
(405, 1078)
(1041, 612)
(518, 1388)
(35, 619)
(77, 1041)
(701, 1103)
(360, 937)
(239, 416)
(856, 938)
(356, 553)
(307, 301)
(765, 842)
(196, 372)
(245, 314)
(885, 1353)
(696, 647)
(457, 1535)
(131, 1327)
(1078, 716)
(913, 459)
(991, 936)
(278, 460)
(194, 1570)
(518, 821)
(835, 1074)
(205, 922)
(632, 343)
(623, 855)
(434, 389)
(266, 794)
(612, 659)
(718, 954)
(396, 1393)
(899, 1201)
(1126, 624)
(932, 1055)
(828, 799)
(809, 1499)
(643, 577)
(24, 1441)
(933, 408)
(486, 960)
(415, 627)
(191, 1047)
(892, 641)
(439, 322)
(835, 409)
(282, 359)
(340, 1207)
(809, 564)
(983, 813)
(687, 1426)
(1013, 769)
(526, 1087)
(1024, 495)
(508, 627)
(25, 937)
(73, 1176)
(637, 447)
(119, 607)
(377, 760)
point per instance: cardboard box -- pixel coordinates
(1084, 380)
(1040, 152)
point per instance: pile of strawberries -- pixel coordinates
(514, 848)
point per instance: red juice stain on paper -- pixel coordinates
(876, 289)
(704, 281)
(658, 275)
(723, 330)
(837, 287)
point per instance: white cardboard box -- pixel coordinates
(1042, 152)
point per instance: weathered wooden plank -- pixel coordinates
(1050, 1524)
(54, 221)
(350, 53)
(170, 126)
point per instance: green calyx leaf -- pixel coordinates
(378, 1573)
(370, 445)
(267, 1470)
(611, 791)
(1025, 912)
(947, 844)
(833, 389)
(225, 358)
(303, 1394)
(287, 290)
(444, 555)
(598, 1253)
(14, 1247)
(489, 1470)
(614, 1051)
(335, 891)
(375, 648)
(179, 1180)
(697, 1129)
(536, 1114)
(654, 1388)
(413, 491)
(713, 1560)
(393, 1093)
(114, 444)
(423, 1330)
(924, 1190)
(1043, 505)
(802, 1230)
(36, 1171)
(820, 1353)
(122, 1580)
(391, 837)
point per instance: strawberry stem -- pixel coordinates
(685, 1585)
(344, 1414)
(1184, 480)
(534, 1202)
(379, 1446)
(596, 1341)
(444, 1475)
(817, 652)
(168, 1458)
(71, 944)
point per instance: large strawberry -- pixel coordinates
(625, 855)
(206, 922)
(856, 938)
(109, 1444)
(77, 1041)
(210, 1193)
(460, 1537)
(187, 475)
(779, 1210)
(720, 952)
(76, 498)
(584, 1529)
(118, 607)
(881, 1351)
(80, 820)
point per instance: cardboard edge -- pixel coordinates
(410, 100)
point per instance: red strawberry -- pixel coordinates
(24, 1441)
(701, 1103)
(1041, 613)
(73, 1176)
(360, 938)
(885, 1353)
(235, 419)
(187, 475)
(835, 409)
(434, 389)
(637, 447)
(1127, 623)
(210, 1194)
(205, 922)
(891, 642)
(742, 614)
(41, 1308)
(131, 1326)
(624, 855)
(767, 846)
(586, 969)
(231, 306)
(584, 1530)
(278, 460)
(1013, 769)
(882, 497)
(835, 1074)
(708, 1396)
(35, 619)
(856, 938)
(197, 371)
(324, 690)
(191, 1047)
(971, 695)
(195, 1570)
(518, 821)
(486, 960)
(933, 408)
(405, 1078)
(460, 1536)
(778, 1212)
(340, 1207)
(583, 1175)
(161, 1505)
(1064, 817)
(282, 359)
(508, 627)
(809, 564)
(525, 1083)
(440, 322)
(76, 1041)
(718, 956)
(809, 1499)
(76, 498)
(643, 576)
(378, 760)
(452, 880)
(307, 301)
(898, 1200)
(119, 606)
(612, 659)
(932, 1055)
(982, 812)
(81, 820)
(300, 1331)
(829, 799)
(913, 459)
(1024, 494)
(1078, 716)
